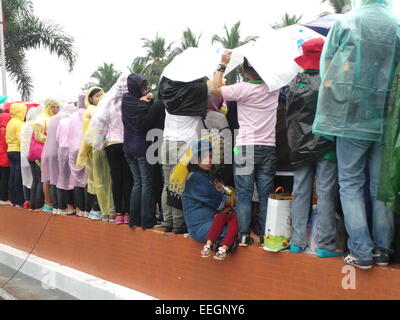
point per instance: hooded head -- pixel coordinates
(136, 84)
(33, 113)
(4, 119)
(18, 111)
(356, 4)
(91, 93)
(50, 106)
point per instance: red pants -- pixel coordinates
(220, 220)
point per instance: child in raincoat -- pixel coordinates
(13, 131)
(40, 127)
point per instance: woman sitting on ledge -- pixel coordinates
(208, 209)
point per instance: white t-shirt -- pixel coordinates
(182, 128)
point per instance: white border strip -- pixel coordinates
(78, 284)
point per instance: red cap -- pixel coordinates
(312, 50)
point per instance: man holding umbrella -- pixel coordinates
(357, 68)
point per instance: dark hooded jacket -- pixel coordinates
(4, 119)
(185, 98)
(135, 144)
(302, 98)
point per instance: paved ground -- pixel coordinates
(23, 287)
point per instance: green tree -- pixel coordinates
(232, 40)
(287, 20)
(189, 40)
(25, 31)
(106, 76)
(139, 65)
(338, 6)
(158, 55)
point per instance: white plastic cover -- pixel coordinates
(272, 55)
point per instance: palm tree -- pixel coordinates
(287, 20)
(106, 76)
(189, 40)
(25, 31)
(158, 56)
(232, 40)
(139, 65)
(339, 6)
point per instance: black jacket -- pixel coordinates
(185, 98)
(305, 147)
(135, 144)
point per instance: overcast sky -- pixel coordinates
(111, 31)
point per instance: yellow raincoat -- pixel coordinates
(42, 121)
(13, 130)
(95, 162)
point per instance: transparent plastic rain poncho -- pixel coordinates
(25, 138)
(389, 188)
(95, 161)
(108, 114)
(357, 68)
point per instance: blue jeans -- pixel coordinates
(352, 160)
(140, 207)
(259, 167)
(326, 175)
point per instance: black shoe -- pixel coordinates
(167, 229)
(361, 264)
(180, 230)
(147, 227)
(380, 257)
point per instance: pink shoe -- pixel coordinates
(119, 220)
(127, 219)
(85, 214)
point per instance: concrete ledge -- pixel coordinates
(169, 267)
(78, 284)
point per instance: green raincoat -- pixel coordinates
(389, 189)
(357, 68)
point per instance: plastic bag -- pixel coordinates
(278, 228)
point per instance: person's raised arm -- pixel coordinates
(217, 81)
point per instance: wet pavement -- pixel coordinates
(22, 287)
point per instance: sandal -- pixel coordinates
(221, 254)
(206, 252)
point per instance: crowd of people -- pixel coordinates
(121, 157)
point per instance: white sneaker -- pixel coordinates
(55, 211)
(62, 212)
